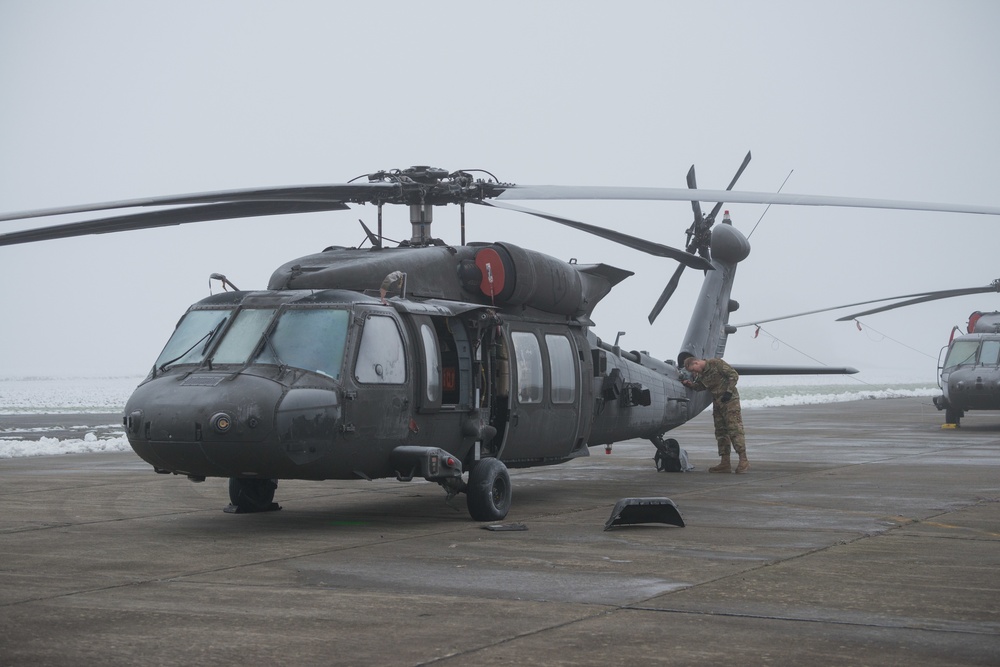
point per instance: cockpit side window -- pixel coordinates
(193, 336)
(381, 353)
(990, 354)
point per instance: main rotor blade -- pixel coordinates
(667, 292)
(636, 243)
(166, 218)
(585, 192)
(931, 296)
(739, 172)
(343, 192)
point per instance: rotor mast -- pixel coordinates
(421, 216)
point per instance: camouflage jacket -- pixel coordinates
(718, 378)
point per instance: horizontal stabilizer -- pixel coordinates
(644, 510)
(749, 369)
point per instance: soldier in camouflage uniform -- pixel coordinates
(718, 377)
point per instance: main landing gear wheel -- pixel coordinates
(489, 490)
(252, 495)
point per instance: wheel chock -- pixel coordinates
(644, 510)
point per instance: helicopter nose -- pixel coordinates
(203, 424)
(307, 423)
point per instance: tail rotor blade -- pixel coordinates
(739, 172)
(695, 205)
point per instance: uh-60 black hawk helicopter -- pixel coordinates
(968, 366)
(423, 360)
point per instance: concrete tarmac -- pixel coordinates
(864, 534)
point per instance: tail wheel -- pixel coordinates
(489, 491)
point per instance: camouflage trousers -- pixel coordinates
(729, 426)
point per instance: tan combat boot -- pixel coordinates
(724, 466)
(743, 465)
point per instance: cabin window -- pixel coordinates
(962, 353)
(192, 337)
(528, 356)
(561, 369)
(990, 354)
(243, 336)
(381, 355)
(311, 339)
(432, 362)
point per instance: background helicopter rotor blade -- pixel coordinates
(166, 218)
(929, 296)
(618, 237)
(918, 297)
(824, 310)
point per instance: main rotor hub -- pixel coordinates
(432, 186)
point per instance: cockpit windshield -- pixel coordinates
(312, 339)
(962, 353)
(192, 337)
(243, 336)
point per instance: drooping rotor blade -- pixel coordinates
(618, 237)
(342, 192)
(667, 292)
(930, 296)
(625, 193)
(739, 172)
(166, 218)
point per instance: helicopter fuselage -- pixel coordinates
(359, 380)
(464, 355)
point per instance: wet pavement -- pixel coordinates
(864, 534)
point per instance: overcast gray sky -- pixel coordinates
(114, 100)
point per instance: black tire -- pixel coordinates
(252, 495)
(489, 491)
(952, 416)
